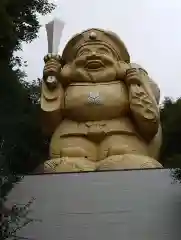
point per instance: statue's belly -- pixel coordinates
(96, 101)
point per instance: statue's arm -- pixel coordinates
(143, 106)
(52, 95)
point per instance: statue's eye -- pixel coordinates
(102, 51)
(84, 52)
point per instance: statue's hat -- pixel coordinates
(95, 36)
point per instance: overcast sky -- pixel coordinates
(151, 30)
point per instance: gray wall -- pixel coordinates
(130, 205)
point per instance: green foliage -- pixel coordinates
(19, 110)
(19, 23)
(176, 175)
(14, 219)
(22, 145)
(171, 119)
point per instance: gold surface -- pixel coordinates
(101, 111)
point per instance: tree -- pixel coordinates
(176, 175)
(171, 119)
(19, 23)
(19, 110)
(18, 105)
(171, 150)
(14, 219)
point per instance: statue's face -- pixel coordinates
(95, 57)
(95, 63)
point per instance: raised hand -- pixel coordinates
(51, 72)
(132, 76)
(121, 68)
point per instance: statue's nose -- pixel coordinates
(92, 56)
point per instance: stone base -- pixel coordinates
(126, 205)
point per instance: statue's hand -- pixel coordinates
(132, 77)
(51, 72)
(121, 68)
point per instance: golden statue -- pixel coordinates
(100, 110)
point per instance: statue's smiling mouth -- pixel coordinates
(94, 64)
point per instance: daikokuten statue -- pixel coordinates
(100, 110)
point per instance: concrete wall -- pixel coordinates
(130, 205)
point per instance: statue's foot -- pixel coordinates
(127, 161)
(115, 162)
(69, 164)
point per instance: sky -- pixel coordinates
(149, 28)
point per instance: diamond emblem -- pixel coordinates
(94, 98)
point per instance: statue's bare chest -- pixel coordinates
(96, 101)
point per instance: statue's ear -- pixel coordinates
(65, 74)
